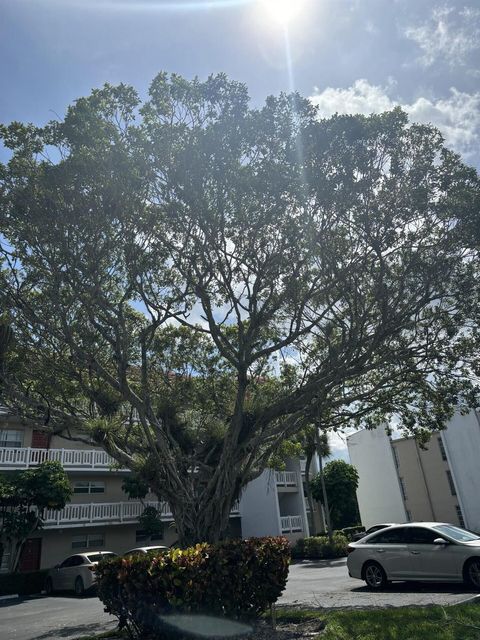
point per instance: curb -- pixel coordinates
(466, 600)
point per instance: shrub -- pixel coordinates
(24, 584)
(237, 579)
(319, 547)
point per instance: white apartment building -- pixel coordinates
(399, 481)
(100, 515)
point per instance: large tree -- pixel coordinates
(194, 280)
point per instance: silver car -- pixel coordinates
(423, 551)
(140, 551)
(76, 573)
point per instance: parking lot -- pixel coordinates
(323, 584)
(326, 584)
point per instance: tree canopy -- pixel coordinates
(24, 498)
(341, 482)
(193, 280)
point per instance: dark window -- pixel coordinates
(395, 456)
(420, 535)
(98, 557)
(141, 536)
(76, 561)
(450, 482)
(67, 562)
(388, 536)
(443, 453)
(460, 516)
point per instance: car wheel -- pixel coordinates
(471, 572)
(374, 576)
(79, 587)
(48, 586)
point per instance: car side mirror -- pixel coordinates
(441, 541)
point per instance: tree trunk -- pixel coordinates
(308, 489)
(324, 490)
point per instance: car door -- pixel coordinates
(70, 572)
(59, 575)
(389, 549)
(431, 561)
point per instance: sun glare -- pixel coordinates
(282, 11)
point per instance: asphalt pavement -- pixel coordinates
(326, 584)
(322, 584)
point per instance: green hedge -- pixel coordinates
(320, 548)
(24, 584)
(237, 579)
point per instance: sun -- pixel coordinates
(282, 11)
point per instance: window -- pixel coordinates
(89, 487)
(98, 557)
(72, 561)
(395, 456)
(456, 533)
(144, 536)
(388, 536)
(420, 535)
(443, 453)
(88, 541)
(450, 482)
(11, 438)
(402, 487)
(141, 536)
(460, 515)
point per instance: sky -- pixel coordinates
(349, 56)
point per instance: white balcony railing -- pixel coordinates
(286, 478)
(78, 515)
(101, 513)
(291, 524)
(73, 459)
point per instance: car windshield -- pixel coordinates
(456, 533)
(98, 557)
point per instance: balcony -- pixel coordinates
(286, 478)
(71, 459)
(291, 524)
(101, 513)
(95, 513)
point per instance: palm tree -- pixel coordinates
(316, 442)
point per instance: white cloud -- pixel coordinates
(450, 35)
(457, 116)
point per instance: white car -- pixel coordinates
(76, 572)
(422, 551)
(140, 551)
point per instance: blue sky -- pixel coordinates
(358, 56)
(349, 55)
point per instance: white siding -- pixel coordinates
(462, 444)
(379, 495)
(259, 507)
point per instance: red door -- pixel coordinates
(40, 440)
(30, 558)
